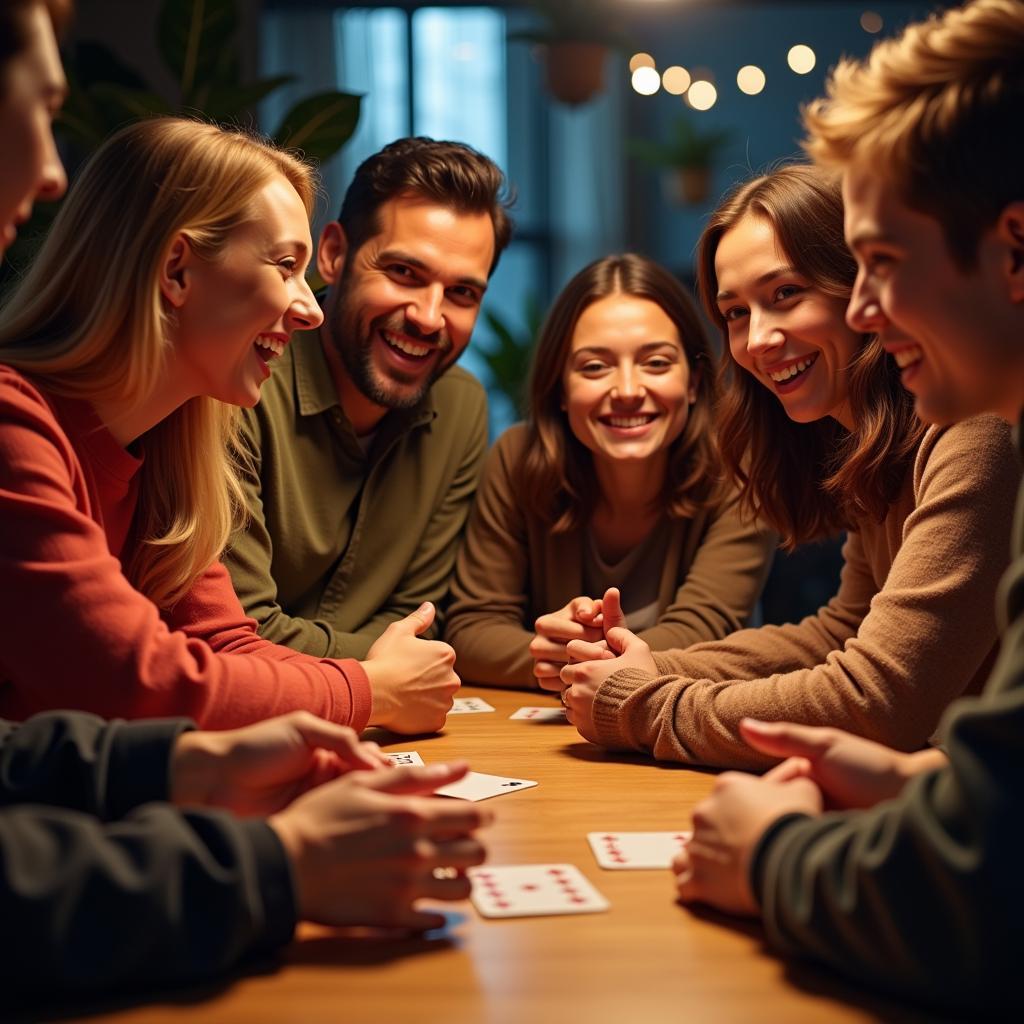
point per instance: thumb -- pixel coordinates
(620, 639)
(416, 622)
(611, 606)
(785, 739)
(413, 779)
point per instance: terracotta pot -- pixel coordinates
(575, 71)
(692, 184)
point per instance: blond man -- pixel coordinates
(912, 881)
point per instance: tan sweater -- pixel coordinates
(910, 629)
(512, 569)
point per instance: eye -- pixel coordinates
(463, 295)
(659, 364)
(592, 367)
(877, 262)
(289, 265)
(733, 313)
(785, 291)
(401, 273)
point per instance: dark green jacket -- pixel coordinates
(341, 542)
(923, 895)
(101, 889)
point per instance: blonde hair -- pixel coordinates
(934, 111)
(88, 320)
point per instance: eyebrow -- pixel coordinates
(762, 280)
(598, 350)
(396, 256)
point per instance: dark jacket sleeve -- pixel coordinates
(923, 895)
(75, 760)
(158, 897)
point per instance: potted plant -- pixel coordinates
(198, 43)
(508, 357)
(576, 36)
(688, 153)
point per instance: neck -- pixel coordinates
(362, 413)
(128, 420)
(630, 486)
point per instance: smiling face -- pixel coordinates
(405, 303)
(956, 335)
(783, 329)
(627, 385)
(31, 92)
(237, 311)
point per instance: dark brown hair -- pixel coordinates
(447, 173)
(808, 480)
(12, 26)
(557, 473)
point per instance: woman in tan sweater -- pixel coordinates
(820, 435)
(613, 481)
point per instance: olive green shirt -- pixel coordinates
(342, 542)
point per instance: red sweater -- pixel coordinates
(74, 633)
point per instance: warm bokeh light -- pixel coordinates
(641, 60)
(646, 81)
(750, 79)
(801, 59)
(871, 21)
(676, 80)
(702, 95)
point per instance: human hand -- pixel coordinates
(851, 772)
(364, 848)
(262, 768)
(580, 619)
(413, 681)
(714, 866)
(582, 678)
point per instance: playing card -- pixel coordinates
(469, 706)
(547, 714)
(477, 786)
(619, 851)
(532, 889)
(403, 757)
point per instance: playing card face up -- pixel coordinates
(547, 714)
(398, 757)
(477, 786)
(622, 851)
(531, 890)
(469, 706)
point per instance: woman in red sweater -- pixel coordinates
(171, 279)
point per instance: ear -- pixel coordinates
(331, 252)
(175, 276)
(1010, 229)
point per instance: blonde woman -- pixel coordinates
(170, 281)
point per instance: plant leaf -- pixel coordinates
(320, 125)
(193, 36)
(227, 102)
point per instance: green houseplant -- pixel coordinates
(508, 357)
(576, 36)
(688, 153)
(198, 42)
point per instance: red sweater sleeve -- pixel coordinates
(76, 634)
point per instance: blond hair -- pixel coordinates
(88, 320)
(936, 111)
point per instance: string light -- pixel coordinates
(871, 21)
(641, 60)
(646, 81)
(750, 79)
(702, 95)
(676, 80)
(801, 59)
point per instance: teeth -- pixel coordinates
(419, 351)
(907, 356)
(270, 344)
(791, 371)
(629, 421)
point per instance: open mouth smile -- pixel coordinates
(408, 348)
(268, 348)
(794, 370)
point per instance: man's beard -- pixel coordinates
(356, 350)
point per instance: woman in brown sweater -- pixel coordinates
(613, 481)
(821, 437)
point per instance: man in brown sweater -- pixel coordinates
(912, 880)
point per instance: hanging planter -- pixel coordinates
(576, 36)
(688, 157)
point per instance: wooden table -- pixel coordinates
(646, 961)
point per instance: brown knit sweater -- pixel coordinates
(910, 629)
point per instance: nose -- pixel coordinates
(864, 312)
(304, 313)
(425, 309)
(764, 333)
(627, 386)
(53, 182)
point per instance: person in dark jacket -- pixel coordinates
(904, 870)
(106, 879)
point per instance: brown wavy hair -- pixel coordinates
(557, 474)
(808, 480)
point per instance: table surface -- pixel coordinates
(645, 960)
